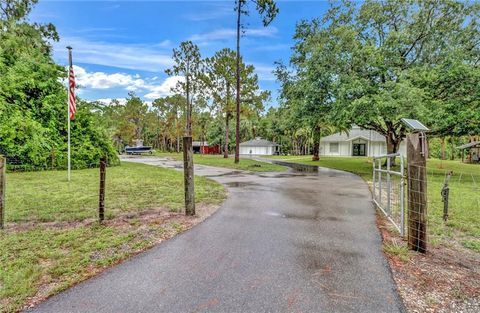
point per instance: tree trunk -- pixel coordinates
(316, 143)
(393, 143)
(227, 126)
(442, 140)
(452, 147)
(237, 127)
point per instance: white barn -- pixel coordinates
(356, 142)
(259, 146)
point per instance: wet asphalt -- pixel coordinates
(282, 242)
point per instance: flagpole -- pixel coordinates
(68, 110)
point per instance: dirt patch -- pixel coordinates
(442, 280)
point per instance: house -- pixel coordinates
(259, 146)
(205, 148)
(356, 142)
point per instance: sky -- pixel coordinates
(123, 46)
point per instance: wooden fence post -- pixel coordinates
(417, 192)
(3, 170)
(188, 175)
(101, 197)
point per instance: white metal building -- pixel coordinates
(356, 142)
(259, 146)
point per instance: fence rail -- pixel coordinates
(389, 188)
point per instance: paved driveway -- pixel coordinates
(282, 242)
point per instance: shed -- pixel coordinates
(205, 148)
(473, 149)
(259, 146)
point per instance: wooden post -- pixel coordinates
(188, 176)
(417, 192)
(101, 194)
(3, 170)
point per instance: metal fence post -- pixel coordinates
(374, 179)
(402, 198)
(101, 197)
(3, 183)
(389, 188)
(445, 195)
(380, 183)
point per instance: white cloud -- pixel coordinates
(101, 80)
(154, 88)
(230, 33)
(264, 72)
(215, 12)
(164, 89)
(108, 101)
(129, 56)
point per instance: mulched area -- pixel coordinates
(445, 279)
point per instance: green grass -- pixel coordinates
(47, 197)
(53, 241)
(245, 164)
(394, 248)
(464, 212)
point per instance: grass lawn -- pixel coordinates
(52, 239)
(245, 164)
(464, 212)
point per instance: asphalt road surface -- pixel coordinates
(282, 242)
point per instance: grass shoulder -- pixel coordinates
(53, 241)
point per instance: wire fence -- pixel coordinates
(453, 200)
(428, 204)
(43, 196)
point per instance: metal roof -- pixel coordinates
(469, 145)
(199, 144)
(258, 142)
(355, 133)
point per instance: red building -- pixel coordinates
(205, 148)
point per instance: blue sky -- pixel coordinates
(122, 46)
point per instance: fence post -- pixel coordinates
(380, 182)
(389, 188)
(188, 175)
(374, 179)
(417, 192)
(101, 194)
(445, 195)
(3, 183)
(402, 198)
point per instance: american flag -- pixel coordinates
(72, 105)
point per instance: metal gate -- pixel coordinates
(389, 188)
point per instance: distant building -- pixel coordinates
(356, 142)
(205, 148)
(259, 146)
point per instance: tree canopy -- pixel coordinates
(385, 60)
(33, 117)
